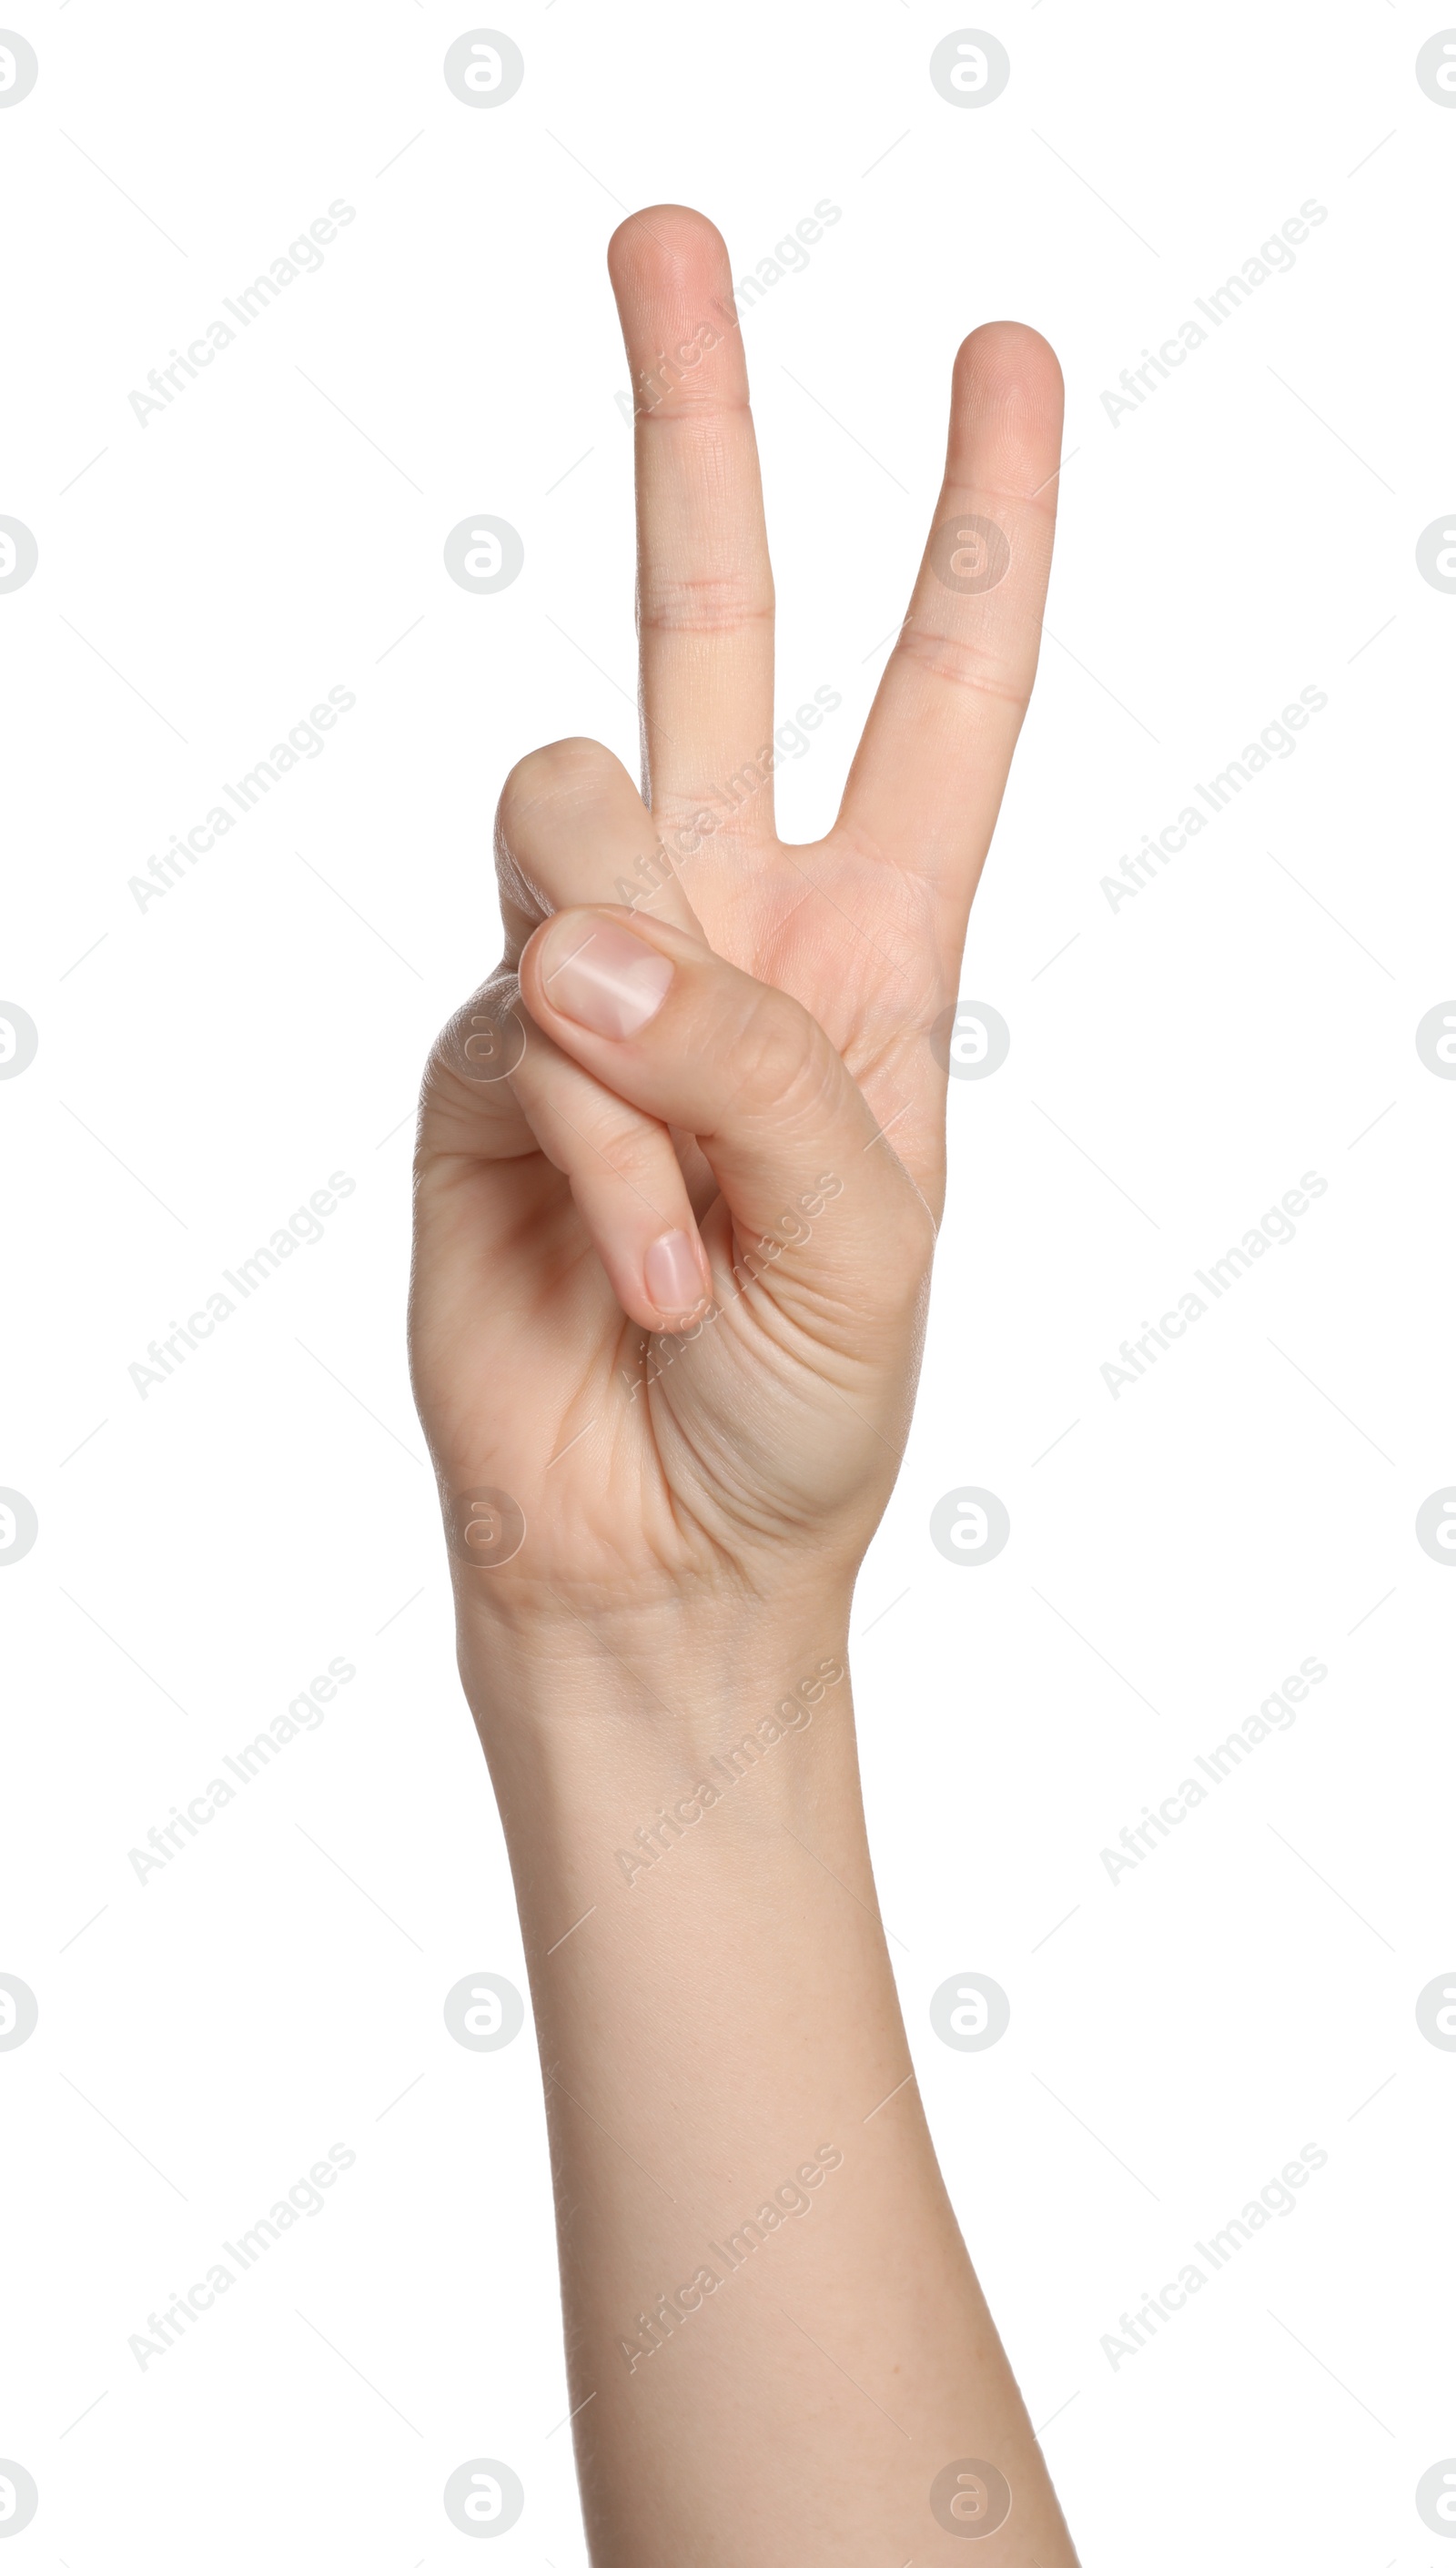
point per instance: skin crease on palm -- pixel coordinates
(757, 1462)
(672, 1270)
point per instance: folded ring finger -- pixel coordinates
(625, 1183)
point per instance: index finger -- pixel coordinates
(705, 605)
(931, 768)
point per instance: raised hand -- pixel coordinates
(681, 1160)
(671, 1264)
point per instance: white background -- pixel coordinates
(206, 1063)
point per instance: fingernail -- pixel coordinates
(606, 980)
(672, 1273)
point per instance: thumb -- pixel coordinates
(823, 1213)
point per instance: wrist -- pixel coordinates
(608, 1750)
(671, 1670)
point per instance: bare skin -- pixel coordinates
(680, 1163)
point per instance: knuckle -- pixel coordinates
(964, 661)
(781, 1063)
(589, 1127)
(624, 1146)
(476, 1042)
(564, 771)
(720, 603)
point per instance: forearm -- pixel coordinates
(771, 2322)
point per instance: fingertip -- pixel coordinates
(664, 241)
(674, 285)
(1008, 366)
(675, 1273)
(1006, 400)
(586, 967)
(1010, 349)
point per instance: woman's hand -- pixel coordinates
(679, 1168)
(681, 1158)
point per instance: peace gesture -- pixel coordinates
(681, 1158)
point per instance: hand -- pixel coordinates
(671, 1267)
(680, 1165)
